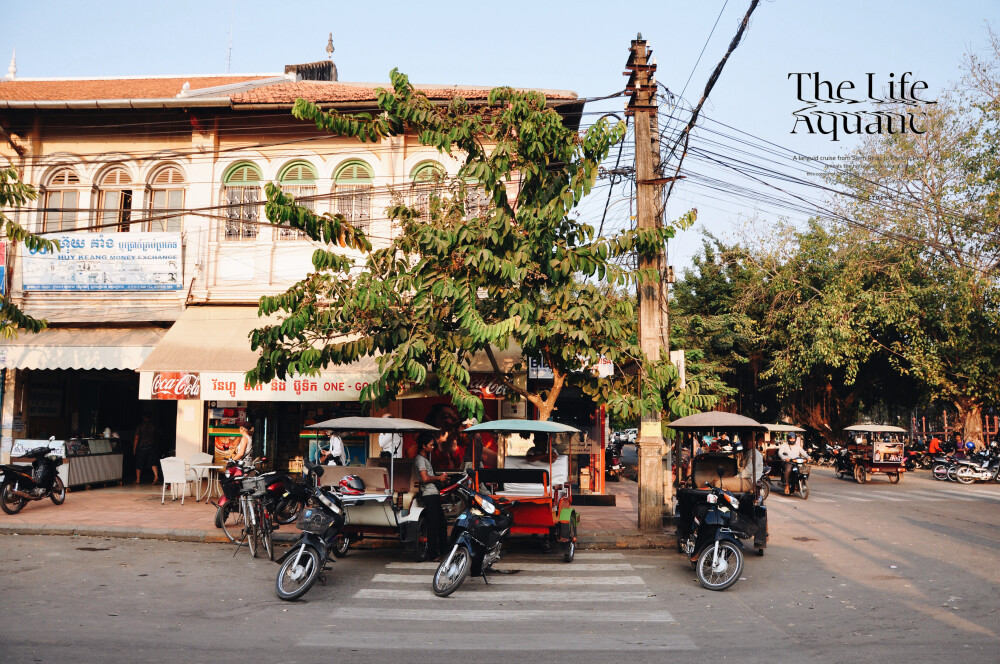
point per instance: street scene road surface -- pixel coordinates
(854, 573)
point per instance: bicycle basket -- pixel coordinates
(315, 521)
(255, 483)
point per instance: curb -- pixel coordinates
(586, 540)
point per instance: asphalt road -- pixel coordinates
(877, 572)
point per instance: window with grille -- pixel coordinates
(477, 203)
(243, 206)
(428, 178)
(166, 203)
(353, 189)
(298, 180)
(115, 202)
(61, 203)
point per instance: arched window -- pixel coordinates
(166, 202)
(428, 177)
(62, 198)
(242, 195)
(298, 179)
(353, 184)
(115, 201)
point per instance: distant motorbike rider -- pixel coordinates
(788, 450)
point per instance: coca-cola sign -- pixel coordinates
(175, 385)
(487, 386)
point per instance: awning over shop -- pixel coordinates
(207, 352)
(81, 348)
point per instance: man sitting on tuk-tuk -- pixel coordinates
(788, 450)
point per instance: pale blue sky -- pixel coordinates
(568, 45)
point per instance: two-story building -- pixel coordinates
(154, 188)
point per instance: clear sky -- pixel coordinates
(580, 45)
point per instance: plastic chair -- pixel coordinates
(196, 475)
(175, 474)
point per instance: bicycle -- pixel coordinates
(256, 522)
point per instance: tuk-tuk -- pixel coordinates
(732, 467)
(876, 448)
(537, 484)
(390, 507)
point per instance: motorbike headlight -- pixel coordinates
(485, 505)
(734, 501)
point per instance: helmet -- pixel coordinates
(791, 436)
(970, 445)
(352, 485)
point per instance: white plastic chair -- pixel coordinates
(196, 475)
(175, 474)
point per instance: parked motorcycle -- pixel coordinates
(35, 482)
(476, 541)
(284, 496)
(714, 545)
(982, 467)
(321, 522)
(612, 463)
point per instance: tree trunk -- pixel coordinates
(825, 411)
(970, 419)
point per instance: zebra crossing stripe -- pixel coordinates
(502, 615)
(964, 495)
(483, 593)
(519, 580)
(497, 641)
(532, 567)
(983, 493)
(845, 496)
(820, 500)
(936, 494)
(885, 495)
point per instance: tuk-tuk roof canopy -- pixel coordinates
(523, 426)
(784, 428)
(876, 428)
(372, 425)
(715, 419)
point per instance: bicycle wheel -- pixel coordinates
(249, 527)
(264, 530)
(229, 517)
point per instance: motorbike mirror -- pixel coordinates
(720, 471)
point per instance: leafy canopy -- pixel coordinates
(462, 278)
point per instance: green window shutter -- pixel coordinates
(354, 172)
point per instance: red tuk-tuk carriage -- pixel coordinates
(536, 483)
(876, 448)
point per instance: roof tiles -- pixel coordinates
(111, 88)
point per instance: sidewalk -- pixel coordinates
(135, 511)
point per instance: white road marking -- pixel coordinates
(554, 566)
(936, 494)
(499, 615)
(497, 641)
(480, 592)
(518, 579)
(845, 496)
(885, 495)
(965, 495)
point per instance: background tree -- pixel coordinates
(461, 280)
(15, 194)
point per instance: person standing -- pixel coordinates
(144, 449)
(244, 449)
(391, 444)
(430, 497)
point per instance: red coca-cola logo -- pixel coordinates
(176, 385)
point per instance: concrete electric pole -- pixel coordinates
(652, 320)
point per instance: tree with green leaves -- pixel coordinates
(520, 272)
(15, 194)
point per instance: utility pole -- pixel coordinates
(652, 324)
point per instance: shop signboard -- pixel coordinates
(231, 386)
(106, 262)
(176, 385)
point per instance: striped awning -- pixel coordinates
(81, 348)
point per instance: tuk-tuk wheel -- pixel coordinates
(760, 552)
(569, 548)
(860, 475)
(893, 478)
(422, 544)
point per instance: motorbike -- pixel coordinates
(798, 479)
(476, 540)
(944, 467)
(983, 467)
(321, 522)
(714, 545)
(25, 483)
(843, 464)
(612, 463)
